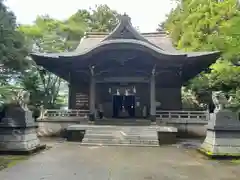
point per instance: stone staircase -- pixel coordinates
(123, 122)
(121, 136)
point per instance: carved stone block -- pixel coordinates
(18, 140)
(15, 116)
(223, 135)
(18, 130)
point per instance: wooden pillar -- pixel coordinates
(152, 98)
(70, 97)
(92, 94)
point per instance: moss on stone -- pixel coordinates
(9, 161)
(211, 154)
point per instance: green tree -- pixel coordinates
(49, 35)
(207, 25)
(98, 19)
(103, 19)
(12, 52)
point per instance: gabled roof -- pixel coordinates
(157, 39)
(125, 30)
(125, 37)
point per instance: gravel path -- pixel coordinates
(70, 161)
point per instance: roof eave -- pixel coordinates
(197, 62)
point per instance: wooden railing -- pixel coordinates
(160, 115)
(59, 113)
(191, 115)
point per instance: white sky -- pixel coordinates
(146, 14)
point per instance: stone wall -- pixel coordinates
(186, 129)
(50, 128)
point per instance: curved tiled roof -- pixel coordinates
(159, 39)
(126, 37)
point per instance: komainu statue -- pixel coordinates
(23, 98)
(16, 111)
(220, 100)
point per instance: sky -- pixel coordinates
(145, 14)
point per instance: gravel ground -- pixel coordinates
(70, 161)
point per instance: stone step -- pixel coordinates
(99, 137)
(116, 139)
(102, 130)
(106, 141)
(121, 135)
(112, 128)
(121, 129)
(115, 144)
(116, 134)
(140, 138)
(122, 124)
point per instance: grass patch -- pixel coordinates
(7, 161)
(236, 161)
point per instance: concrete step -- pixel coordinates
(103, 130)
(113, 139)
(107, 141)
(121, 135)
(113, 128)
(99, 137)
(108, 137)
(141, 138)
(124, 122)
(115, 144)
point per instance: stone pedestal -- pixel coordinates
(223, 135)
(18, 131)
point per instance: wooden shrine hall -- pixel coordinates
(125, 73)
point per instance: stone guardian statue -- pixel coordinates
(220, 100)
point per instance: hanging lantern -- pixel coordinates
(110, 90)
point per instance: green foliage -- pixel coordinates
(12, 51)
(103, 19)
(7, 92)
(207, 25)
(49, 35)
(189, 100)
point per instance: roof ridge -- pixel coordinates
(103, 34)
(96, 33)
(155, 32)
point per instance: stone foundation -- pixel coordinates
(221, 143)
(167, 137)
(149, 136)
(12, 139)
(18, 131)
(75, 135)
(223, 135)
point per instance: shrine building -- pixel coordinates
(125, 71)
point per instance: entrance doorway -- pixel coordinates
(123, 104)
(129, 104)
(117, 105)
